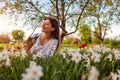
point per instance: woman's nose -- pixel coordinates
(43, 25)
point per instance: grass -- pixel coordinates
(3, 44)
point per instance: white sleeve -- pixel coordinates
(35, 35)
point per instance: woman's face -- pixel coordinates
(47, 26)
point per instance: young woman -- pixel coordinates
(47, 42)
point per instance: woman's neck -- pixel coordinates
(46, 36)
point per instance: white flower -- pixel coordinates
(34, 72)
(94, 74)
(96, 57)
(32, 63)
(3, 56)
(8, 62)
(24, 52)
(0, 57)
(76, 57)
(109, 57)
(26, 77)
(72, 52)
(34, 56)
(114, 76)
(63, 54)
(97, 48)
(87, 59)
(39, 55)
(117, 54)
(118, 72)
(107, 50)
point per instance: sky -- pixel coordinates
(115, 31)
(7, 25)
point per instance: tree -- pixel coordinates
(68, 12)
(85, 33)
(17, 35)
(101, 14)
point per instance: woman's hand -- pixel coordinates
(26, 48)
(27, 45)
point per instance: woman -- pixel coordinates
(47, 42)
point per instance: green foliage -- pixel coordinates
(109, 2)
(17, 35)
(67, 40)
(85, 33)
(112, 43)
(18, 66)
(101, 14)
(96, 40)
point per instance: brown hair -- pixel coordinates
(55, 33)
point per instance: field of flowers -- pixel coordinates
(89, 63)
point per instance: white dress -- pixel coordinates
(47, 50)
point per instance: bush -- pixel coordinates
(67, 40)
(4, 38)
(112, 43)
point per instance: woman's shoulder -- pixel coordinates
(54, 40)
(35, 35)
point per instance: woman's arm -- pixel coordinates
(30, 42)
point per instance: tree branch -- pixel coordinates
(57, 9)
(69, 6)
(79, 18)
(96, 35)
(36, 8)
(52, 3)
(71, 15)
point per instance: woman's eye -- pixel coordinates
(47, 24)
